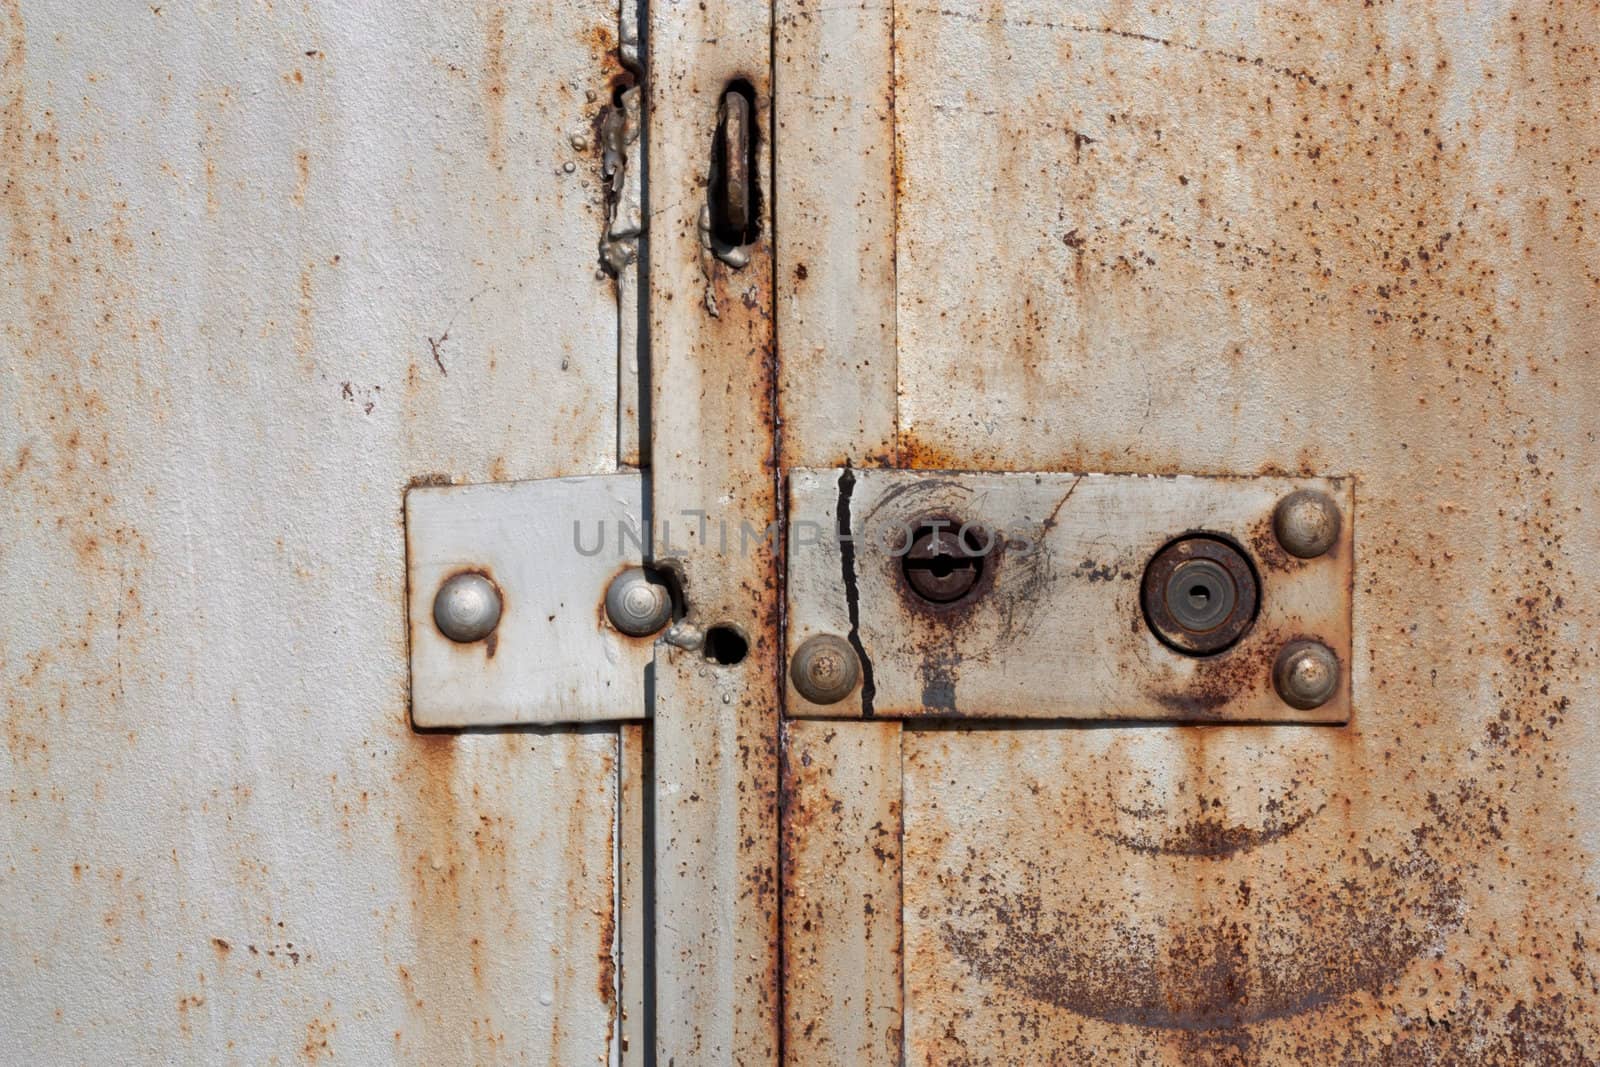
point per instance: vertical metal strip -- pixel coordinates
(714, 496)
(834, 176)
(633, 874)
(841, 894)
(622, 166)
(835, 181)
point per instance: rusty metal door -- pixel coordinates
(261, 267)
(1268, 245)
(323, 742)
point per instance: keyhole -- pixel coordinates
(943, 563)
(1199, 597)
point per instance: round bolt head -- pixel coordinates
(1306, 674)
(1307, 523)
(467, 607)
(825, 669)
(638, 604)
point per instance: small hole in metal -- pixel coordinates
(725, 645)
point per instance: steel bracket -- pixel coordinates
(1052, 622)
(1054, 626)
(551, 548)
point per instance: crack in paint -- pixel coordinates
(852, 593)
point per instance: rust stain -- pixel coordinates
(917, 454)
(187, 1003)
(302, 177)
(1222, 680)
(841, 837)
(304, 334)
(437, 832)
(1206, 834)
(1230, 965)
(600, 39)
(72, 298)
(493, 80)
(466, 838)
(318, 1043)
(432, 478)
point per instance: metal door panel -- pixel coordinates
(265, 270)
(262, 268)
(1285, 239)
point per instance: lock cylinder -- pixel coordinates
(1200, 594)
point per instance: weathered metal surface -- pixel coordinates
(621, 130)
(260, 267)
(834, 208)
(263, 268)
(1053, 627)
(715, 724)
(552, 547)
(635, 770)
(1281, 238)
(841, 893)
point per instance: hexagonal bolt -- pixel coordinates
(467, 607)
(637, 603)
(1306, 674)
(825, 669)
(1307, 523)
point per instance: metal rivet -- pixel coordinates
(825, 669)
(1307, 523)
(638, 604)
(467, 608)
(1306, 674)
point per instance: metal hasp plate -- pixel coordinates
(550, 549)
(1041, 614)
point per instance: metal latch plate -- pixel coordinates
(551, 548)
(1056, 628)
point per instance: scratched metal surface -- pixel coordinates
(262, 267)
(1256, 238)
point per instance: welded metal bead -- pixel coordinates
(467, 607)
(1306, 674)
(825, 669)
(637, 604)
(1307, 523)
